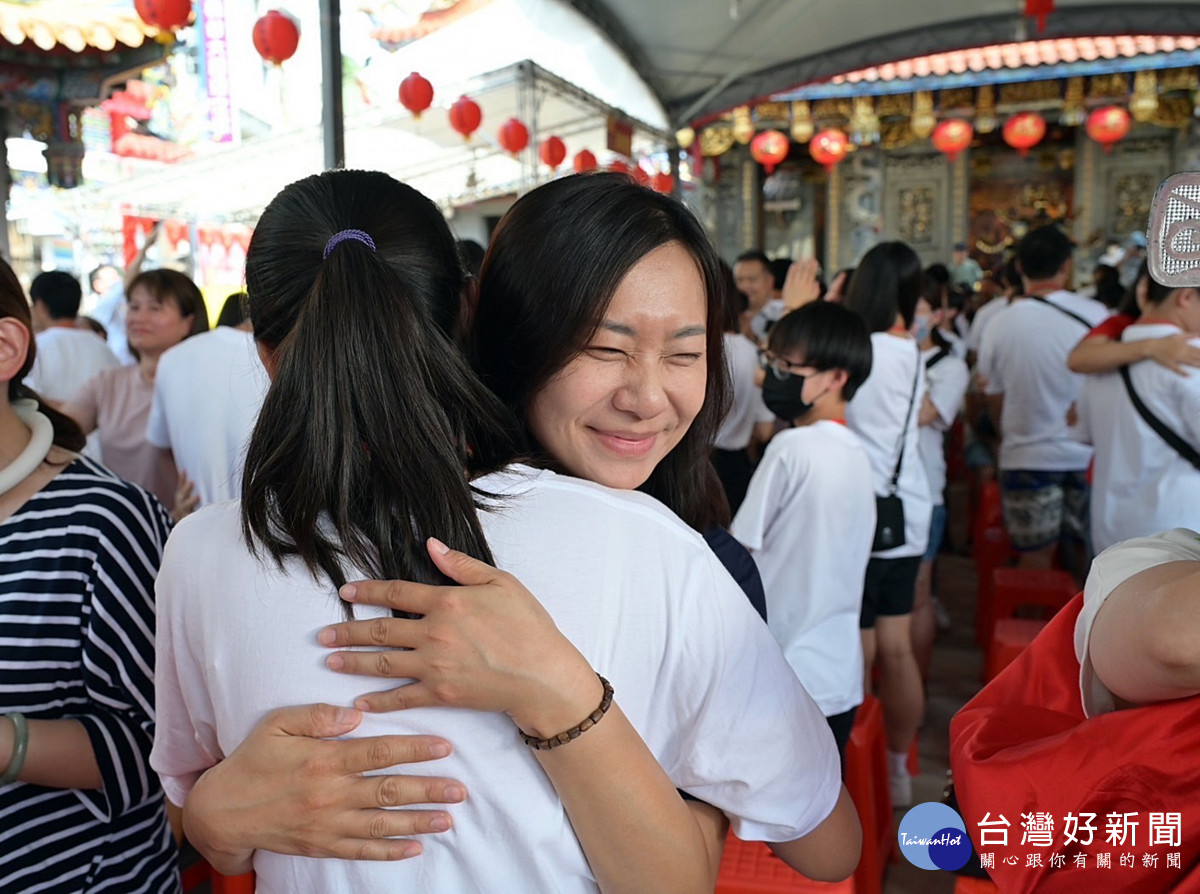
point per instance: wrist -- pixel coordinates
(8, 742)
(563, 706)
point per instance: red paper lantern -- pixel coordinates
(829, 147)
(662, 182)
(619, 167)
(552, 152)
(416, 94)
(769, 148)
(585, 161)
(276, 36)
(513, 136)
(952, 137)
(1108, 125)
(165, 15)
(640, 176)
(1024, 131)
(465, 116)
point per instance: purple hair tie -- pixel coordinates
(343, 235)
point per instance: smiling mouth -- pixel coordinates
(626, 444)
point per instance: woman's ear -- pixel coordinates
(14, 348)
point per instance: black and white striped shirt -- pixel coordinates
(77, 568)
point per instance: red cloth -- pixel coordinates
(1023, 745)
(1113, 327)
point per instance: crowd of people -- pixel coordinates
(547, 498)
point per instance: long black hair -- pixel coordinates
(67, 433)
(554, 263)
(373, 421)
(887, 282)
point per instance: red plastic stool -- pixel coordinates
(198, 873)
(968, 885)
(992, 551)
(1013, 588)
(988, 512)
(1009, 639)
(749, 867)
(867, 783)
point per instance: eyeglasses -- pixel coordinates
(779, 367)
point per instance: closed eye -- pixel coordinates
(604, 352)
(685, 359)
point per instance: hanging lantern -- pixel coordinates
(416, 94)
(769, 148)
(923, 119)
(743, 125)
(829, 147)
(1108, 125)
(802, 123)
(513, 136)
(662, 182)
(1039, 9)
(952, 137)
(985, 113)
(584, 161)
(684, 137)
(165, 15)
(1074, 113)
(620, 167)
(864, 123)
(276, 36)
(1144, 103)
(465, 116)
(640, 175)
(552, 152)
(1024, 131)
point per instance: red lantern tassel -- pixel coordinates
(1039, 9)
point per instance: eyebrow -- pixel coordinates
(622, 329)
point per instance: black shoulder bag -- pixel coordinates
(889, 509)
(1062, 310)
(1178, 444)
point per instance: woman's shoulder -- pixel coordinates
(88, 486)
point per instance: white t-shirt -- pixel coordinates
(67, 359)
(1024, 357)
(771, 312)
(1141, 485)
(1109, 570)
(947, 382)
(878, 413)
(207, 394)
(639, 593)
(980, 322)
(747, 407)
(809, 518)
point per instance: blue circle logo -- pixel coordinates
(934, 836)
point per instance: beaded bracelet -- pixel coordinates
(579, 729)
(20, 746)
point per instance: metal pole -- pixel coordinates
(332, 122)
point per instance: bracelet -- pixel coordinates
(579, 729)
(20, 747)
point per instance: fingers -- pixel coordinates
(401, 595)
(389, 665)
(412, 695)
(318, 721)
(397, 790)
(355, 756)
(459, 567)
(394, 633)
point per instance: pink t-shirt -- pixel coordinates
(119, 399)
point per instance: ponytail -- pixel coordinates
(373, 421)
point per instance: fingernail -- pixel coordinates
(327, 637)
(335, 662)
(412, 850)
(455, 793)
(438, 547)
(348, 592)
(347, 715)
(362, 704)
(441, 749)
(439, 823)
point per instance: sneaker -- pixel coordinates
(944, 624)
(902, 794)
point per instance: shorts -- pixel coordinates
(889, 589)
(1042, 507)
(937, 533)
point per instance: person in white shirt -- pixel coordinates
(1142, 485)
(809, 515)
(755, 276)
(884, 291)
(1023, 359)
(946, 376)
(748, 419)
(67, 357)
(587, 807)
(207, 394)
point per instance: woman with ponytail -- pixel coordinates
(378, 454)
(79, 549)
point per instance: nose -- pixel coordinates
(643, 390)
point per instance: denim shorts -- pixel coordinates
(937, 532)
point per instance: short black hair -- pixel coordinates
(233, 311)
(779, 269)
(829, 336)
(1043, 252)
(1158, 293)
(887, 283)
(754, 255)
(470, 253)
(60, 292)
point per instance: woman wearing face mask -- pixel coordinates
(946, 378)
(886, 287)
(615, 401)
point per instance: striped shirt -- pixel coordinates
(77, 568)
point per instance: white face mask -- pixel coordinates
(921, 326)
